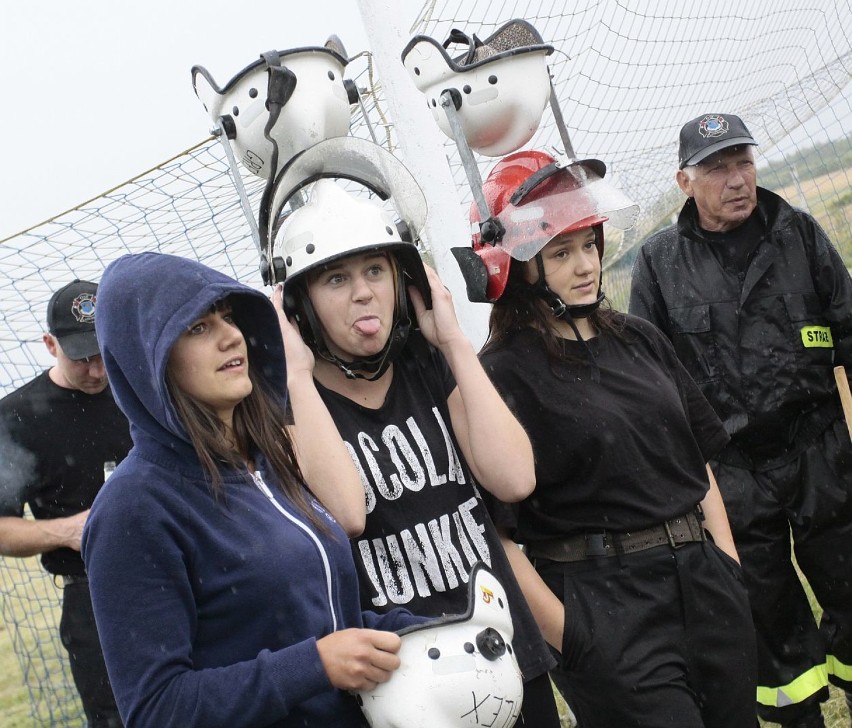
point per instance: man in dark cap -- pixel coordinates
(60, 435)
(758, 304)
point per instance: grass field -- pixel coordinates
(30, 599)
(14, 705)
(835, 216)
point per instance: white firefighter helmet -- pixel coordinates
(331, 225)
(457, 671)
(307, 85)
(335, 224)
(500, 87)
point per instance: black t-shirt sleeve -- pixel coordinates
(707, 428)
(19, 464)
(705, 423)
(442, 370)
(504, 515)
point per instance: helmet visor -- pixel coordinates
(363, 162)
(571, 198)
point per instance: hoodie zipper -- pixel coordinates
(261, 485)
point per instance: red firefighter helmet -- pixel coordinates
(535, 199)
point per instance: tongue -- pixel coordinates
(368, 326)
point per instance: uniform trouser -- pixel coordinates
(80, 637)
(539, 707)
(661, 638)
(810, 498)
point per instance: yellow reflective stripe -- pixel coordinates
(836, 667)
(817, 336)
(795, 692)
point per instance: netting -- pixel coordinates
(627, 76)
(30, 608)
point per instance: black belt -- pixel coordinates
(72, 579)
(593, 544)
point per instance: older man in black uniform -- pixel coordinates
(758, 304)
(60, 434)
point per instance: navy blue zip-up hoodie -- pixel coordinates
(208, 611)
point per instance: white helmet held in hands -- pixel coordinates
(457, 671)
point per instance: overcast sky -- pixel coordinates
(98, 91)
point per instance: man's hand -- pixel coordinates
(22, 537)
(70, 529)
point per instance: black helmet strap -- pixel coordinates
(566, 313)
(559, 308)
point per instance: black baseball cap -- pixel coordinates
(71, 319)
(708, 134)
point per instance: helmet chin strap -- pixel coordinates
(373, 367)
(560, 309)
(568, 313)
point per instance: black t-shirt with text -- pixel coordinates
(426, 522)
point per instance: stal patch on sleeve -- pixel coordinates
(817, 336)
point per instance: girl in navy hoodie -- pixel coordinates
(223, 586)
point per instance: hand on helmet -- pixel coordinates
(298, 356)
(359, 659)
(438, 324)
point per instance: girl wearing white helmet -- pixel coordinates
(421, 420)
(638, 583)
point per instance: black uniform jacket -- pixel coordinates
(760, 346)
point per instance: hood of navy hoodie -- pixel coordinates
(145, 302)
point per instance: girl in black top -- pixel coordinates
(632, 571)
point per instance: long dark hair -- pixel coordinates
(259, 424)
(520, 307)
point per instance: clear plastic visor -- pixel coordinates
(562, 202)
(361, 161)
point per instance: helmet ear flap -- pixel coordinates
(474, 273)
(485, 272)
(298, 306)
(291, 307)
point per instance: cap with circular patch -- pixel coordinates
(708, 134)
(71, 319)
